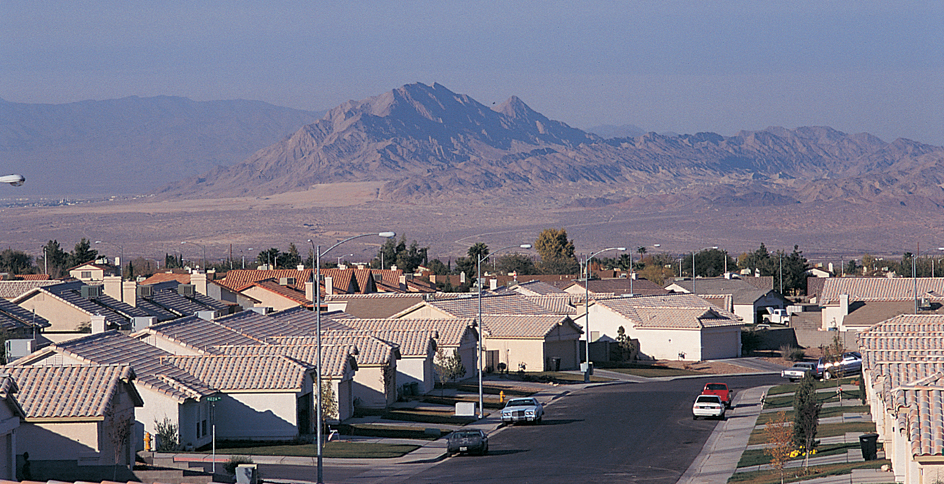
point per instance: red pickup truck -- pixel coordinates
(720, 389)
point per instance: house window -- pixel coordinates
(86, 275)
(204, 427)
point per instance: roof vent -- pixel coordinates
(91, 292)
(145, 291)
(186, 290)
(286, 281)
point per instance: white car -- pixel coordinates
(526, 409)
(799, 370)
(708, 406)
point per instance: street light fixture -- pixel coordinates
(343, 256)
(15, 180)
(481, 330)
(204, 252)
(586, 307)
(316, 301)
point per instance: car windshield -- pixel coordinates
(805, 366)
(464, 434)
(708, 399)
(524, 402)
(716, 386)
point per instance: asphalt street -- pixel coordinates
(621, 432)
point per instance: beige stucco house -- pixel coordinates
(535, 343)
(11, 416)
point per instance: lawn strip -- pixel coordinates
(822, 430)
(757, 457)
(796, 474)
(386, 431)
(654, 372)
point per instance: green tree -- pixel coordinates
(15, 262)
(329, 404)
(469, 265)
(557, 253)
(759, 262)
(437, 267)
(406, 258)
(851, 267)
(868, 263)
(806, 409)
(518, 263)
(57, 260)
(167, 435)
(270, 257)
(448, 368)
(795, 268)
(292, 258)
(82, 253)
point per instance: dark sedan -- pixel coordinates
(470, 441)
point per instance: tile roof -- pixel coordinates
(921, 412)
(337, 357)
(556, 303)
(287, 292)
(449, 331)
(244, 373)
(921, 323)
(197, 333)
(33, 277)
(641, 287)
(409, 343)
(376, 305)
(524, 327)
(239, 279)
(116, 312)
(539, 288)
(371, 350)
(468, 306)
(8, 389)
(14, 317)
(180, 278)
(69, 391)
(742, 291)
(166, 296)
(299, 321)
(112, 347)
(881, 289)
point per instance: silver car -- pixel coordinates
(799, 370)
(526, 409)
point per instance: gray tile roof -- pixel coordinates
(468, 306)
(337, 358)
(409, 343)
(197, 333)
(524, 327)
(673, 311)
(742, 291)
(69, 391)
(449, 332)
(376, 305)
(245, 373)
(112, 347)
(14, 317)
(881, 289)
(13, 289)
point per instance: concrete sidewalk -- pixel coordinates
(719, 457)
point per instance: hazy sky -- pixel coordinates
(685, 66)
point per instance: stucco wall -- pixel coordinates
(369, 388)
(664, 344)
(260, 416)
(416, 370)
(58, 441)
(268, 298)
(61, 316)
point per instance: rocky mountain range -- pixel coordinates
(428, 143)
(133, 145)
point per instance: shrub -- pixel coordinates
(166, 435)
(792, 353)
(235, 461)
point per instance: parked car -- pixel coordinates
(526, 409)
(799, 370)
(849, 364)
(470, 441)
(720, 389)
(708, 406)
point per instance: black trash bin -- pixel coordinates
(555, 363)
(869, 445)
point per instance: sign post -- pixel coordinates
(213, 399)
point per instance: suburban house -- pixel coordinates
(536, 288)
(669, 327)
(542, 342)
(92, 272)
(18, 322)
(88, 421)
(903, 372)
(264, 397)
(452, 335)
(375, 383)
(467, 306)
(11, 417)
(168, 391)
(857, 303)
(297, 321)
(750, 298)
(277, 295)
(70, 306)
(203, 285)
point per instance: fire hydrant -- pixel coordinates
(501, 396)
(147, 441)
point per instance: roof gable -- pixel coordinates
(81, 391)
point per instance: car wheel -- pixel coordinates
(485, 450)
(539, 420)
(828, 375)
(694, 417)
(724, 417)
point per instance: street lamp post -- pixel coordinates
(586, 307)
(343, 256)
(316, 301)
(693, 266)
(481, 330)
(204, 252)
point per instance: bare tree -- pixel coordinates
(778, 433)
